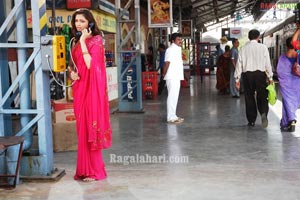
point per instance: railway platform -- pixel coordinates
(212, 155)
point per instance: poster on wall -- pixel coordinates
(187, 27)
(160, 13)
(186, 58)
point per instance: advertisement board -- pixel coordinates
(186, 26)
(160, 13)
(104, 21)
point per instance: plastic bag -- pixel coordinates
(272, 96)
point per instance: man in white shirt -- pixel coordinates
(173, 74)
(254, 62)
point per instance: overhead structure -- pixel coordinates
(206, 13)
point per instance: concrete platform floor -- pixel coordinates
(213, 155)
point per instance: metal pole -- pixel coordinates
(53, 19)
(24, 84)
(45, 166)
(5, 120)
(24, 89)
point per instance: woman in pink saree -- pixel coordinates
(91, 105)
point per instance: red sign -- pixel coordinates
(74, 4)
(236, 31)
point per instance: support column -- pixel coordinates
(24, 83)
(129, 60)
(5, 120)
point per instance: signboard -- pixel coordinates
(74, 4)
(186, 26)
(61, 17)
(235, 32)
(104, 22)
(160, 13)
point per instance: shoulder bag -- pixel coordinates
(296, 67)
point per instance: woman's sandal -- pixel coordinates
(88, 179)
(292, 126)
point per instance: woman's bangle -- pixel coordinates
(85, 52)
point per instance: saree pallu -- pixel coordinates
(223, 73)
(91, 108)
(289, 88)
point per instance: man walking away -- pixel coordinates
(254, 63)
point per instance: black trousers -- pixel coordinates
(256, 95)
(161, 85)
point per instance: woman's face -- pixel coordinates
(81, 22)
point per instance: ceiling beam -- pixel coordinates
(207, 12)
(215, 7)
(201, 3)
(224, 18)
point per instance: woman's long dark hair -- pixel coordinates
(89, 16)
(289, 43)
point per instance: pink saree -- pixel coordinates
(91, 110)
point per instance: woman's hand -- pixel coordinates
(73, 75)
(86, 33)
